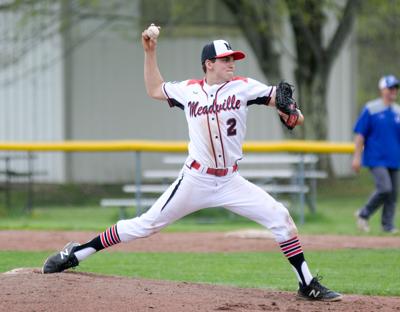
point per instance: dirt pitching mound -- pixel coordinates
(26, 289)
(29, 290)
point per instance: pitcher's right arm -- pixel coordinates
(152, 77)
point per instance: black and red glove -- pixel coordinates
(286, 104)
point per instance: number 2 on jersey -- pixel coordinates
(231, 122)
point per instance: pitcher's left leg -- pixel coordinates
(248, 200)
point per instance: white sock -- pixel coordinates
(84, 253)
(306, 273)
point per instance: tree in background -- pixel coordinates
(260, 22)
(315, 54)
(378, 42)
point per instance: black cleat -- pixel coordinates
(316, 291)
(62, 260)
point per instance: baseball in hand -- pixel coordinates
(153, 31)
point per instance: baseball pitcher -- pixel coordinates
(215, 109)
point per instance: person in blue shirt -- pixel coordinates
(377, 147)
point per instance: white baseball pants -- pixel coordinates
(194, 190)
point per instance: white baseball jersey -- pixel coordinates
(216, 116)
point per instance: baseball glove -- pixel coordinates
(286, 104)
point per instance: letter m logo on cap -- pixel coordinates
(228, 47)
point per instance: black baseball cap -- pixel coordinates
(218, 49)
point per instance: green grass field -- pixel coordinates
(334, 216)
(359, 271)
(355, 271)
